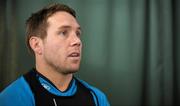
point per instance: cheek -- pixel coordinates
(49, 50)
(54, 54)
(58, 51)
(55, 50)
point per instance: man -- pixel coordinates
(53, 36)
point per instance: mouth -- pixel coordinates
(74, 54)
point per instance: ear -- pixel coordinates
(36, 44)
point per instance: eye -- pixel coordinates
(63, 33)
(78, 33)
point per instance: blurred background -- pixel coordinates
(131, 48)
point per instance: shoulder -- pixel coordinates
(18, 93)
(102, 99)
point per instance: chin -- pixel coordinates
(74, 66)
(70, 71)
(75, 69)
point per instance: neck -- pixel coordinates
(61, 81)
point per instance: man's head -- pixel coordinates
(37, 24)
(53, 35)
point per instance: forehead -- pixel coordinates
(62, 18)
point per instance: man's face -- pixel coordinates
(62, 46)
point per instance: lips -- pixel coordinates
(74, 54)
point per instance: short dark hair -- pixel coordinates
(36, 24)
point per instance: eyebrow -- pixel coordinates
(67, 26)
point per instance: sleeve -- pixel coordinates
(17, 94)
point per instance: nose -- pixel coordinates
(75, 40)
